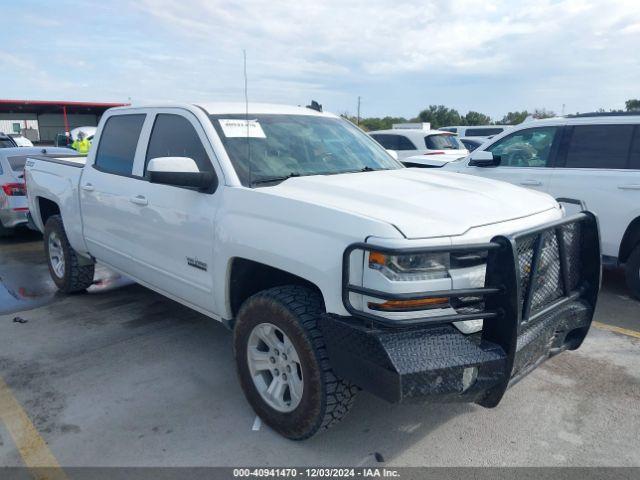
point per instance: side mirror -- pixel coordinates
(393, 153)
(180, 172)
(483, 158)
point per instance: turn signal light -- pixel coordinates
(14, 189)
(410, 305)
(434, 153)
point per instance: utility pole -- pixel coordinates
(358, 117)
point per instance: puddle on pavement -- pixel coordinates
(16, 296)
(25, 282)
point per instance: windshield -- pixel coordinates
(442, 141)
(280, 146)
(6, 143)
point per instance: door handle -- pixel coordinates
(531, 183)
(87, 187)
(631, 186)
(139, 200)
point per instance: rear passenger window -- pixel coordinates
(599, 146)
(405, 144)
(389, 142)
(118, 143)
(394, 142)
(174, 136)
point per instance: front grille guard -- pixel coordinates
(515, 295)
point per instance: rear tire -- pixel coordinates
(64, 264)
(6, 232)
(290, 315)
(632, 272)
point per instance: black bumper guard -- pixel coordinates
(540, 293)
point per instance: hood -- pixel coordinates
(421, 203)
(435, 160)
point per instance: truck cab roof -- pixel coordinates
(237, 108)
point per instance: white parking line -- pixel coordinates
(257, 423)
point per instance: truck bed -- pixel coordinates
(70, 160)
(53, 180)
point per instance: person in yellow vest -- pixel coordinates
(81, 144)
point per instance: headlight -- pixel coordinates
(410, 267)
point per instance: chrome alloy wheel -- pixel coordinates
(275, 367)
(56, 255)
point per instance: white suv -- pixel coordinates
(420, 147)
(593, 158)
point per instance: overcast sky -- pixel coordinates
(489, 56)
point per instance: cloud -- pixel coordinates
(388, 37)
(400, 55)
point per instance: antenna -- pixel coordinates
(246, 114)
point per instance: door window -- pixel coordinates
(174, 136)
(599, 146)
(118, 143)
(634, 159)
(525, 148)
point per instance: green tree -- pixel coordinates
(476, 118)
(440, 116)
(543, 113)
(375, 123)
(632, 105)
(514, 118)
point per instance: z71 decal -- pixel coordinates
(195, 263)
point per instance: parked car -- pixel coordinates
(471, 143)
(6, 141)
(335, 266)
(594, 158)
(426, 147)
(481, 131)
(21, 141)
(13, 200)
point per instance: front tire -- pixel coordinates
(65, 267)
(632, 272)
(298, 395)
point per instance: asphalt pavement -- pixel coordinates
(121, 376)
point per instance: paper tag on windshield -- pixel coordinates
(241, 128)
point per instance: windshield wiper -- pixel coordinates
(363, 169)
(260, 181)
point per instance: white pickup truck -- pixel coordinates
(337, 268)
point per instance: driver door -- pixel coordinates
(526, 157)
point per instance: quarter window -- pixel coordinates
(174, 136)
(599, 146)
(118, 143)
(525, 148)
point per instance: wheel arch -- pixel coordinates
(46, 209)
(630, 239)
(248, 277)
